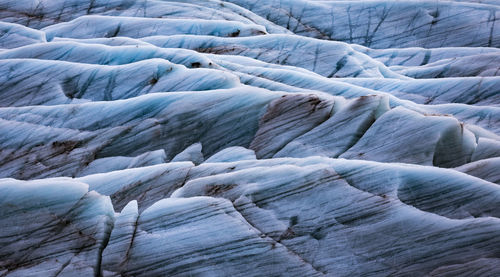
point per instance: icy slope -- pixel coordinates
(249, 138)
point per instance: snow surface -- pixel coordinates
(249, 138)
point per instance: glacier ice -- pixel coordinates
(52, 227)
(249, 138)
(136, 27)
(15, 35)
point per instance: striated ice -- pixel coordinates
(341, 131)
(192, 153)
(15, 35)
(232, 154)
(386, 24)
(136, 27)
(121, 162)
(249, 138)
(52, 227)
(486, 169)
(314, 55)
(486, 148)
(168, 232)
(144, 184)
(447, 143)
(57, 82)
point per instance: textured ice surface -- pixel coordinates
(14, 35)
(249, 138)
(52, 227)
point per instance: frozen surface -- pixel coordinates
(134, 27)
(52, 227)
(249, 138)
(14, 35)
